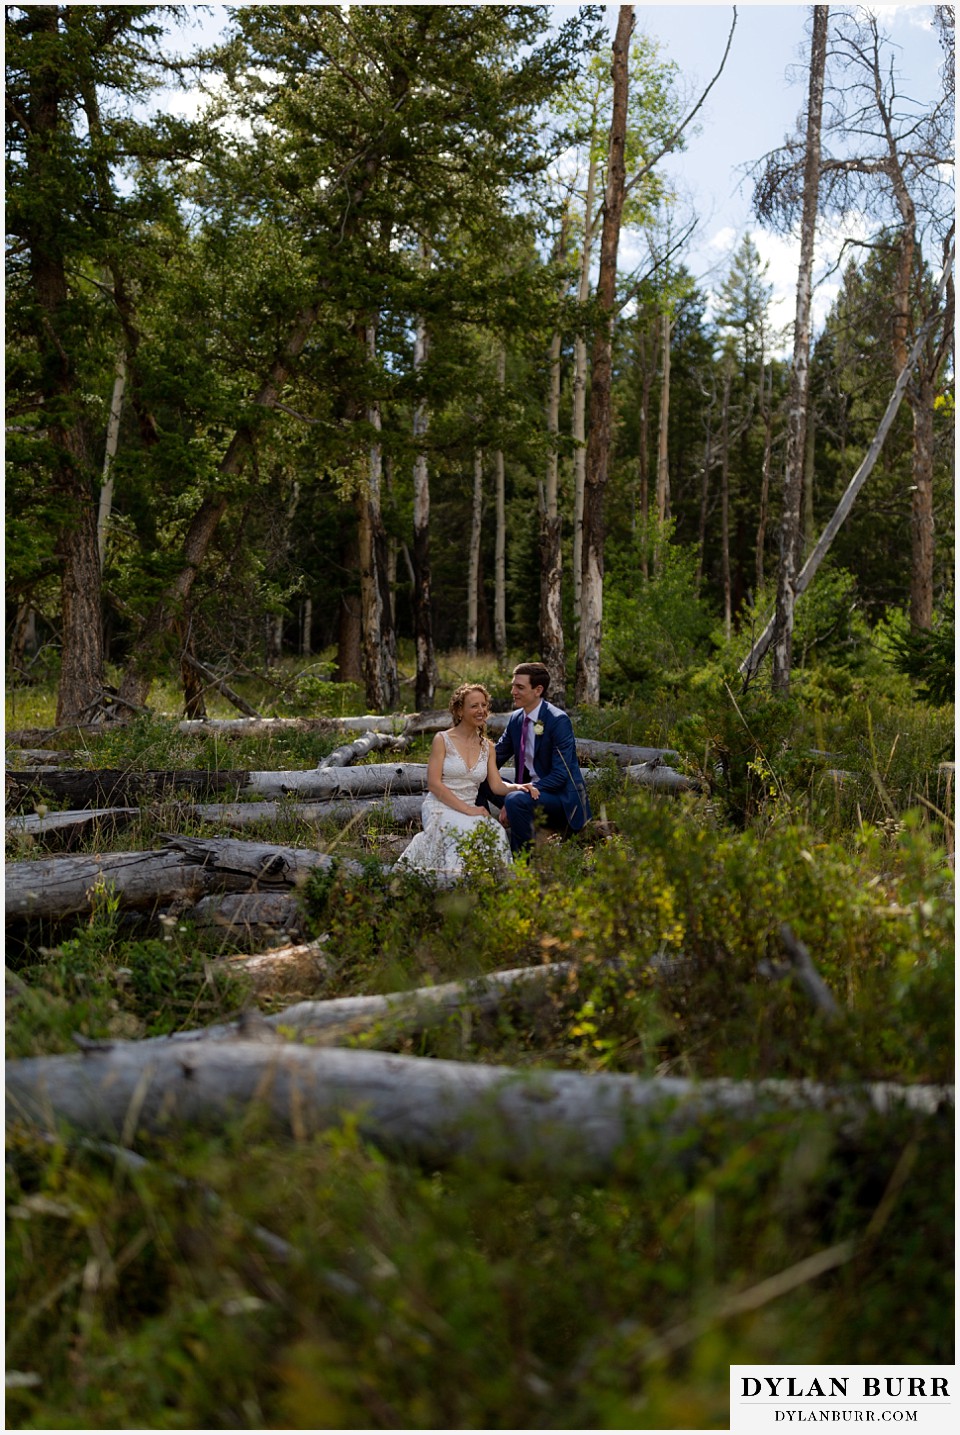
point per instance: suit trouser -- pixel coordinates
(521, 809)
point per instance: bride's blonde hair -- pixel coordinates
(459, 695)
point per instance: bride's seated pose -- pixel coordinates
(460, 759)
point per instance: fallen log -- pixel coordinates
(588, 749)
(335, 1018)
(267, 727)
(249, 916)
(377, 778)
(369, 742)
(38, 736)
(399, 810)
(63, 886)
(299, 967)
(68, 827)
(118, 787)
(106, 787)
(40, 757)
(183, 871)
(658, 778)
(431, 1110)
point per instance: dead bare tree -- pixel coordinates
(891, 158)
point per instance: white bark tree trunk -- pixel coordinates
(110, 453)
(663, 429)
(426, 676)
(551, 555)
(378, 641)
(598, 444)
(800, 375)
(432, 1110)
(579, 424)
(473, 555)
(500, 549)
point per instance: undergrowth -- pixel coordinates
(391, 1295)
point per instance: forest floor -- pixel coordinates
(232, 1279)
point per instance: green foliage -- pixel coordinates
(102, 985)
(929, 657)
(655, 628)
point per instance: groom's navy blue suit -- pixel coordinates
(559, 781)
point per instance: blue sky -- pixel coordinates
(752, 107)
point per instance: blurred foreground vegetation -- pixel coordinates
(405, 1297)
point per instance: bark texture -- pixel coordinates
(598, 442)
(430, 1110)
(790, 534)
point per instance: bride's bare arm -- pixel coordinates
(438, 787)
(497, 783)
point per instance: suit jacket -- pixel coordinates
(554, 758)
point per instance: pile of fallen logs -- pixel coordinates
(248, 888)
(292, 1064)
(108, 799)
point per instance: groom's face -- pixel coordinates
(524, 695)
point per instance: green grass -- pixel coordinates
(420, 1297)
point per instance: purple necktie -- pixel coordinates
(523, 748)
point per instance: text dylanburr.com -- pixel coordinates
(798, 1398)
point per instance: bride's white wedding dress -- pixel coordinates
(436, 848)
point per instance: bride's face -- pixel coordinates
(474, 710)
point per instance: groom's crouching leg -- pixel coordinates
(519, 810)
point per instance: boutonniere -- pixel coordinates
(538, 729)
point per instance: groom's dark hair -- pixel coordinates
(538, 673)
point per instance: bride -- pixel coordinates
(459, 761)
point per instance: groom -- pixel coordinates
(540, 738)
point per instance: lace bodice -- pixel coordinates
(463, 781)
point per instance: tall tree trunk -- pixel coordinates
(921, 507)
(500, 546)
(663, 441)
(473, 554)
(807, 530)
(800, 375)
(552, 652)
(704, 504)
(551, 558)
(378, 641)
(643, 462)
(422, 601)
(81, 663)
(766, 403)
(273, 639)
(349, 664)
(579, 425)
(663, 428)
(81, 669)
(725, 499)
(390, 567)
(306, 627)
(110, 453)
(194, 702)
(598, 443)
